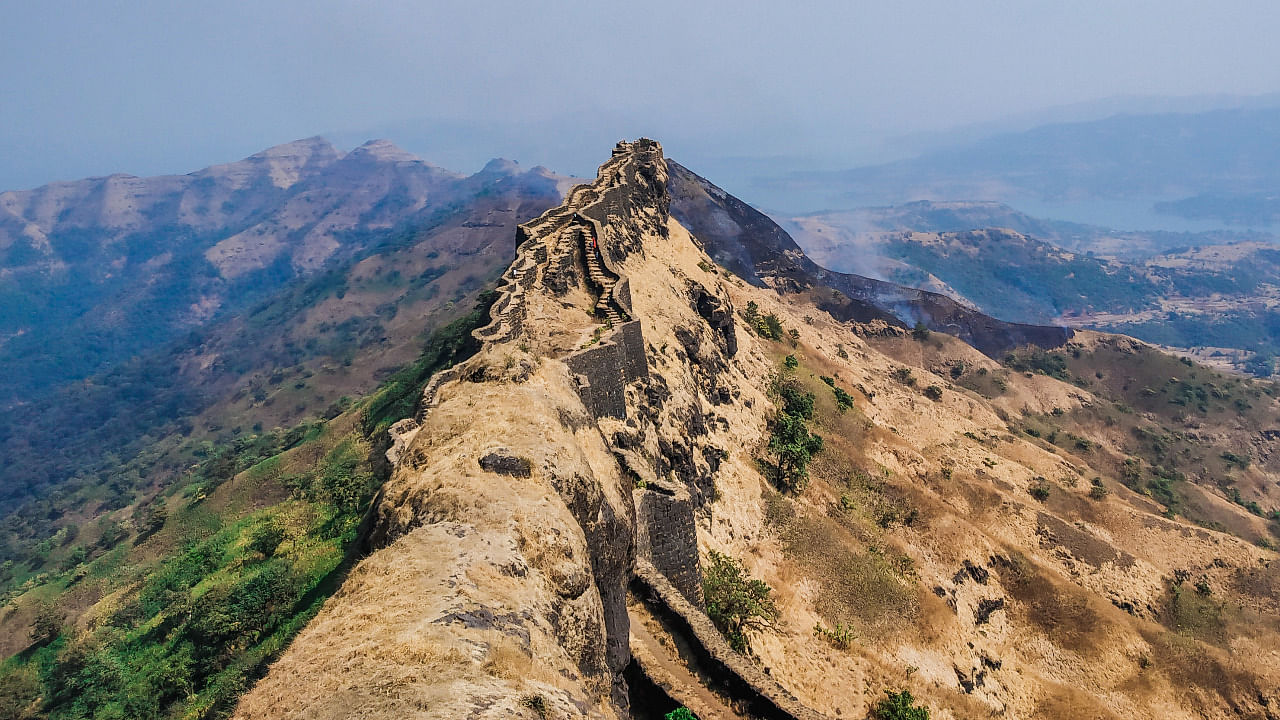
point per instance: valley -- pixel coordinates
(1197, 299)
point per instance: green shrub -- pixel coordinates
(844, 400)
(680, 713)
(1038, 360)
(933, 392)
(1040, 489)
(1097, 491)
(791, 442)
(736, 602)
(770, 327)
(899, 706)
(267, 537)
(841, 636)
(794, 446)
(766, 325)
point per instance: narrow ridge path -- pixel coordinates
(600, 277)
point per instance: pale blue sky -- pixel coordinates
(150, 86)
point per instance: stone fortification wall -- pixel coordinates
(627, 203)
(603, 371)
(667, 537)
(624, 185)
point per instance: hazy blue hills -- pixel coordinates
(1223, 154)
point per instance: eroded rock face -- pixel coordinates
(498, 574)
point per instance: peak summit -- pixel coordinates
(501, 166)
(384, 150)
(315, 146)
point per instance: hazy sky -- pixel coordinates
(145, 87)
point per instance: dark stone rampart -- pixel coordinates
(667, 536)
(603, 371)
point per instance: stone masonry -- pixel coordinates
(667, 537)
(602, 372)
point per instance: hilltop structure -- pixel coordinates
(537, 551)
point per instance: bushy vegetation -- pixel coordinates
(681, 713)
(791, 443)
(240, 553)
(1039, 360)
(766, 325)
(899, 706)
(189, 631)
(736, 602)
(1155, 400)
(841, 636)
(1039, 489)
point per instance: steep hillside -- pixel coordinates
(276, 346)
(93, 272)
(754, 247)
(1214, 301)
(171, 607)
(621, 504)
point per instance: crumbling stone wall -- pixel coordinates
(667, 537)
(604, 370)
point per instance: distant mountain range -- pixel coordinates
(1212, 292)
(94, 271)
(1218, 156)
(254, 293)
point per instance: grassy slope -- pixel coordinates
(172, 608)
(1165, 436)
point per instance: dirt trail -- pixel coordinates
(679, 681)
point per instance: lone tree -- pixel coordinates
(792, 444)
(736, 601)
(899, 706)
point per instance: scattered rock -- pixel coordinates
(503, 462)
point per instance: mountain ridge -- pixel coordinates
(559, 495)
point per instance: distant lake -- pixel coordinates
(1124, 214)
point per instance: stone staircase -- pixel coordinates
(601, 278)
